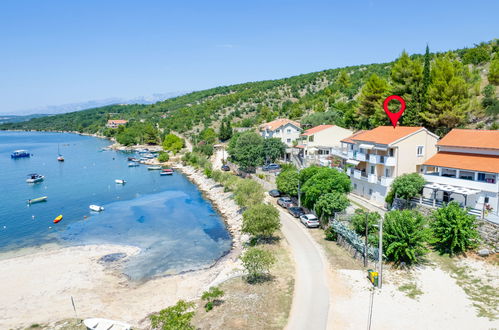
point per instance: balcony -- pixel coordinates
(350, 154)
(360, 156)
(372, 178)
(373, 159)
(386, 181)
(478, 185)
(390, 161)
(357, 174)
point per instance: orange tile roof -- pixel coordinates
(117, 121)
(386, 134)
(350, 138)
(316, 129)
(471, 138)
(471, 162)
(273, 125)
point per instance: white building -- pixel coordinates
(285, 129)
(375, 158)
(465, 170)
(319, 143)
(115, 123)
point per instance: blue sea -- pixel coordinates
(165, 216)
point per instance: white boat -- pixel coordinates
(34, 178)
(120, 181)
(132, 164)
(96, 208)
(103, 324)
(154, 168)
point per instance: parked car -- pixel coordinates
(225, 168)
(310, 220)
(296, 211)
(285, 202)
(271, 167)
(274, 193)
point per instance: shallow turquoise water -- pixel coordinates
(167, 217)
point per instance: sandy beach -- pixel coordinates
(37, 287)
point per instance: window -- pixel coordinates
(387, 173)
(351, 147)
(481, 176)
(311, 138)
(277, 130)
(391, 152)
(370, 192)
(288, 130)
(288, 140)
(486, 200)
(354, 186)
(372, 169)
(420, 151)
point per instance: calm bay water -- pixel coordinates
(167, 217)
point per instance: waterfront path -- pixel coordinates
(311, 297)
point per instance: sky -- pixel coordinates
(59, 52)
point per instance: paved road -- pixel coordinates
(310, 305)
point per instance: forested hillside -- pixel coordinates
(445, 90)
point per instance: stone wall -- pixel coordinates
(490, 233)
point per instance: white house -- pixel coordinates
(466, 170)
(285, 129)
(319, 143)
(376, 157)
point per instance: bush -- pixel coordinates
(211, 296)
(173, 143)
(248, 193)
(454, 230)
(261, 220)
(163, 157)
(330, 234)
(287, 182)
(406, 187)
(405, 235)
(325, 180)
(257, 263)
(329, 204)
(175, 317)
(359, 222)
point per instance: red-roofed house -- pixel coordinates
(285, 129)
(380, 155)
(114, 123)
(466, 170)
(319, 143)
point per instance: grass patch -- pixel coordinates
(411, 290)
(264, 305)
(485, 297)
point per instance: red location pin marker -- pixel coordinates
(394, 117)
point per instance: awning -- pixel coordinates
(381, 148)
(353, 162)
(451, 189)
(366, 146)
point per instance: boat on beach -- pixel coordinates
(96, 208)
(104, 324)
(20, 154)
(154, 168)
(58, 218)
(34, 178)
(37, 200)
(120, 181)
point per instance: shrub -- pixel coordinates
(257, 263)
(287, 182)
(406, 186)
(329, 204)
(330, 234)
(175, 317)
(261, 220)
(163, 157)
(173, 143)
(359, 222)
(247, 193)
(405, 235)
(211, 296)
(454, 230)
(324, 181)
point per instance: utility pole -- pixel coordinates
(365, 246)
(380, 253)
(299, 191)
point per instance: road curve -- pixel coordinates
(310, 306)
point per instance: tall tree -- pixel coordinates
(448, 95)
(247, 150)
(407, 77)
(493, 75)
(370, 110)
(426, 79)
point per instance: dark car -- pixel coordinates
(271, 167)
(225, 168)
(285, 202)
(274, 193)
(296, 211)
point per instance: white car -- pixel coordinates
(310, 220)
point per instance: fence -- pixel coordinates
(355, 241)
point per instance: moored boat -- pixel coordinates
(37, 200)
(120, 181)
(34, 178)
(152, 168)
(132, 164)
(96, 208)
(58, 218)
(166, 171)
(60, 158)
(20, 154)
(101, 324)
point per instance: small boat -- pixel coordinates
(20, 154)
(37, 200)
(60, 158)
(120, 181)
(166, 171)
(103, 324)
(148, 156)
(96, 208)
(132, 164)
(34, 178)
(153, 168)
(58, 218)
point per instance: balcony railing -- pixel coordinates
(372, 178)
(384, 181)
(470, 184)
(390, 161)
(357, 174)
(360, 156)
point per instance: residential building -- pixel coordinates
(465, 170)
(285, 129)
(374, 158)
(114, 123)
(318, 144)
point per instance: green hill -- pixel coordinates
(442, 91)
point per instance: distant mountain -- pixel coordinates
(71, 107)
(17, 119)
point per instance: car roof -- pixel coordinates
(310, 216)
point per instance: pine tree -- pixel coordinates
(448, 99)
(407, 76)
(370, 110)
(222, 131)
(426, 80)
